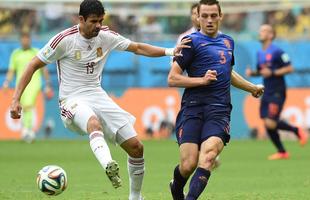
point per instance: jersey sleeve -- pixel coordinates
(283, 58)
(186, 59)
(54, 50)
(233, 53)
(116, 40)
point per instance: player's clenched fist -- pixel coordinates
(15, 110)
(209, 77)
(259, 90)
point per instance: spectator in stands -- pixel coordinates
(6, 25)
(18, 62)
(151, 30)
(303, 23)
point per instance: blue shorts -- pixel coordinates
(195, 124)
(271, 109)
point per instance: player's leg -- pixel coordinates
(127, 138)
(214, 135)
(188, 128)
(298, 131)
(188, 163)
(102, 151)
(80, 118)
(271, 127)
(270, 112)
(210, 149)
(97, 141)
(28, 134)
(28, 102)
(283, 125)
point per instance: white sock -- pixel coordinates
(100, 148)
(136, 174)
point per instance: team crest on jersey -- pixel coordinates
(268, 57)
(99, 52)
(47, 52)
(77, 55)
(227, 43)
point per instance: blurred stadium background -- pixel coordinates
(138, 84)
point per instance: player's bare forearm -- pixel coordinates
(182, 81)
(146, 49)
(177, 79)
(34, 65)
(284, 70)
(8, 78)
(241, 83)
(10, 75)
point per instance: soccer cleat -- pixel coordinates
(112, 171)
(279, 156)
(303, 137)
(175, 194)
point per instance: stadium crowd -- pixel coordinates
(289, 24)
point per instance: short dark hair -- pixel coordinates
(24, 34)
(194, 6)
(91, 7)
(210, 2)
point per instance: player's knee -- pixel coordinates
(136, 149)
(94, 124)
(188, 166)
(207, 160)
(270, 124)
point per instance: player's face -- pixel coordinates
(209, 18)
(194, 17)
(91, 26)
(265, 33)
(25, 42)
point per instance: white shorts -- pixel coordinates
(76, 111)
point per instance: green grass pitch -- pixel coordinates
(244, 174)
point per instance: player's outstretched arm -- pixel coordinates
(154, 51)
(34, 65)
(283, 70)
(239, 82)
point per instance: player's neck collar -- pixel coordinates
(208, 36)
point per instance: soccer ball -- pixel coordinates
(52, 180)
